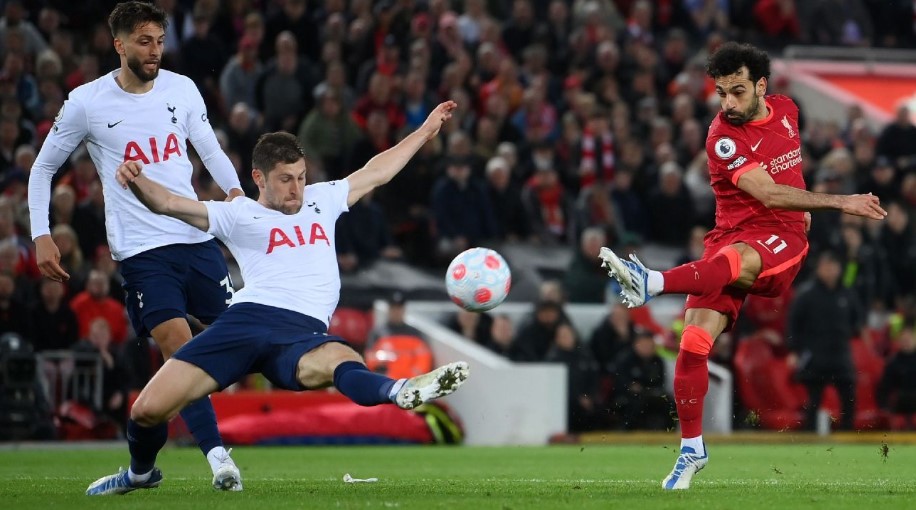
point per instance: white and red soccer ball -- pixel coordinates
(478, 279)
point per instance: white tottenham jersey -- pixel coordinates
(152, 128)
(287, 260)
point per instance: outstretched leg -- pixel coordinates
(338, 364)
(736, 265)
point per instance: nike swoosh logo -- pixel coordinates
(257, 217)
(754, 147)
(115, 124)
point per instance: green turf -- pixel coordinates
(738, 477)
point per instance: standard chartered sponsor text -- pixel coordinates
(785, 162)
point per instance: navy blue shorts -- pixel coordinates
(251, 338)
(176, 281)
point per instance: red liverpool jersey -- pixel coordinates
(773, 143)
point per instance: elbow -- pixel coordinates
(153, 205)
(384, 179)
(770, 200)
(380, 176)
(162, 207)
(380, 179)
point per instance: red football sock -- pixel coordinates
(704, 276)
(691, 380)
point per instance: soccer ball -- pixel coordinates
(478, 279)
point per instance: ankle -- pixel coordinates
(694, 443)
(136, 478)
(395, 388)
(655, 283)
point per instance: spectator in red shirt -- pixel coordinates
(778, 19)
(94, 302)
(379, 97)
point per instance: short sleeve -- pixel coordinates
(70, 126)
(340, 190)
(222, 217)
(729, 157)
(332, 194)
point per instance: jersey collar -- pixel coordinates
(766, 119)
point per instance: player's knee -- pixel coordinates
(316, 368)
(696, 340)
(334, 353)
(147, 412)
(750, 265)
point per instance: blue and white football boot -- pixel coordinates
(632, 275)
(688, 464)
(119, 483)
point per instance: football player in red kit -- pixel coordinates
(760, 238)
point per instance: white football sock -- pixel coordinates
(655, 284)
(395, 388)
(696, 443)
(217, 456)
(138, 479)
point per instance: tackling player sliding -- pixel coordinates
(760, 239)
(277, 325)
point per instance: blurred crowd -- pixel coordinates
(581, 123)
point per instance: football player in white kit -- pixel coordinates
(277, 324)
(170, 269)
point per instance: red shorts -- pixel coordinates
(782, 253)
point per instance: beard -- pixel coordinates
(290, 209)
(134, 64)
(737, 118)
(284, 207)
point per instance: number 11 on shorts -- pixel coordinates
(772, 240)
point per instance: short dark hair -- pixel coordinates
(729, 58)
(275, 148)
(127, 16)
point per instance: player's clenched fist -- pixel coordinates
(127, 172)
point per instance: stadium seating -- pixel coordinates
(765, 386)
(353, 325)
(327, 417)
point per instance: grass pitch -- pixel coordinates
(743, 477)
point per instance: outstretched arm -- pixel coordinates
(383, 167)
(760, 185)
(159, 199)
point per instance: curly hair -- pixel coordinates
(127, 16)
(731, 56)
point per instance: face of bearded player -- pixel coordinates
(741, 99)
(143, 50)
